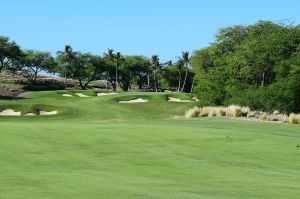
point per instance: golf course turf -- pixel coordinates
(96, 147)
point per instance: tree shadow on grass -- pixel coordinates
(11, 98)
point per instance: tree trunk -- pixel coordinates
(116, 86)
(155, 83)
(125, 87)
(82, 86)
(192, 85)
(107, 76)
(66, 76)
(106, 83)
(148, 80)
(184, 80)
(179, 83)
(112, 84)
(141, 82)
(34, 77)
(1, 65)
(263, 79)
(158, 82)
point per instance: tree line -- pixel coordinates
(118, 71)
(256, 65)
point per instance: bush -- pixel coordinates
(283, 96)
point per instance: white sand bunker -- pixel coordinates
(104, 94)
(30, 114)
(9, 112)
(137, 100)
(196, 99)
(48, 112)
(67, 95)
(81, 95)
(42, 113)
(174, 99)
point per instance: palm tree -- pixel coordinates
(111, 56)
(192, 84)
(118, 59)
(179, 66)
(148, 73)
(186, 61)
(155, 67)
(68, 52)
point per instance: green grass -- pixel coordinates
(99, 148)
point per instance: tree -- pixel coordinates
(186, 61)
(169, 76)
(115, 59)
(130, 68)
(139, 65)
(9, 51)
(83, 67)
(179, 67)
(118, 60)
(256, 65)
(155, 68)
(33, 62)
(229, 39)
(110, 56)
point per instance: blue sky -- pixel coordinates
(139, 27)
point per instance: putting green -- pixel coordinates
(99, 148)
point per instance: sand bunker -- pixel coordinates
(137, 100)
(67, 95)
(47, 112)
(196, 99)
(9, 112)
(173, 99)
(104, 94)
(42, 113)
(81, 95)
(30, 114)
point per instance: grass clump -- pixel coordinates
(294, 118)
(244, 112)
(193, 112)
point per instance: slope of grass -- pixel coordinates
(99, 148)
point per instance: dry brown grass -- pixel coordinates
(240, 111)
(193, 112)
(237, 111)
(294, 118)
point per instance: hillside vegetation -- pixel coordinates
(256, 65)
